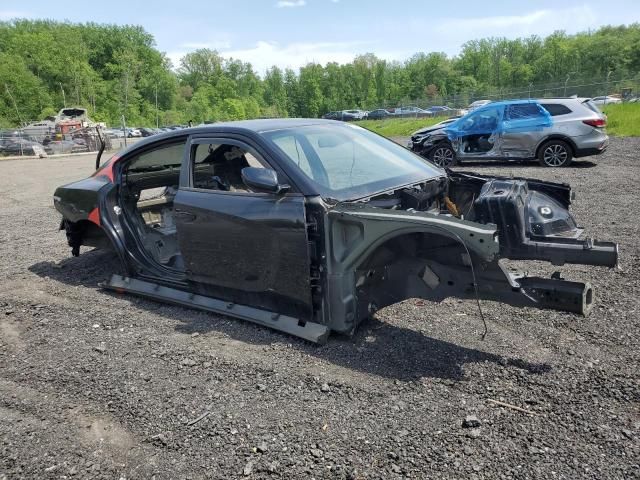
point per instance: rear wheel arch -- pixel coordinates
(562, 138)
(85, 232)
(556, 152)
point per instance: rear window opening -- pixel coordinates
(556, 109)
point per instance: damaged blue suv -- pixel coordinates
(552, 130)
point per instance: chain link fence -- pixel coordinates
(622, 90)
(41, 139)
(45, 142)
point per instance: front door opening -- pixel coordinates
(151, 182)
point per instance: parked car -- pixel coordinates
(310, 226)
(439, 109)
(133, 133)
(378, 114)
(114, 132)
(606, 100)
(477, 104)
(332, 116)
(552, 130)
(349, 115)
(147, 132)
(409, 110)
(21, 146)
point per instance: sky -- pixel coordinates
(291, 33)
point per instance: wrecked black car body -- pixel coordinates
(310, 226)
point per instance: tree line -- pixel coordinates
(116, 70)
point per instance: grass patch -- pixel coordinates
(623, 119)
(398, 127)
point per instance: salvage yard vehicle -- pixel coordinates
(478, 104)
(378, 114)
(311, 226)
(555, 131)
(606, 100)
(349, 115)
(410, 110)
(21, 146)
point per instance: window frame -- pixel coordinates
(507, 112)
(312, 187)
(500, 110)
(122, 164)
(186, 172)
(569, 111)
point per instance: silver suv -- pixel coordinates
(553, 130)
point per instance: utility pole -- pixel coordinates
(6, 86)
(124, 130)
(15, 105)
(75, 82)
(157, 117)
(126, 104)
(64, 97)
(126, 90)
(566, 82)
(606, 91)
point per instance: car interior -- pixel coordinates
(478, 143)
(150, 184)
(482, 128)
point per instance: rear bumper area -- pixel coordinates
(591, 145)
(589, 152)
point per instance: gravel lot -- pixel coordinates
(99, 385)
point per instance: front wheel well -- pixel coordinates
(424, 265)
(440, 142)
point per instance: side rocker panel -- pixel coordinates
(311, 331)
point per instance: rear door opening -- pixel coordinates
(149, 185)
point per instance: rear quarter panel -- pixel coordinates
(76, 201)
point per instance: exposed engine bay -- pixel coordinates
(522, 209)
(474, 223)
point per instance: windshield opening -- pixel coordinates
(347, 162)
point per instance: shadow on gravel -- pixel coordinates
(577, 164)
(86, 270)
(378, 348)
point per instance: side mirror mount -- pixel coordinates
(263, 180)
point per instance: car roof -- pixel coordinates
(247, 126)
(531, 100)
(268, 124)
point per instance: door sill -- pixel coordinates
(311, 331)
